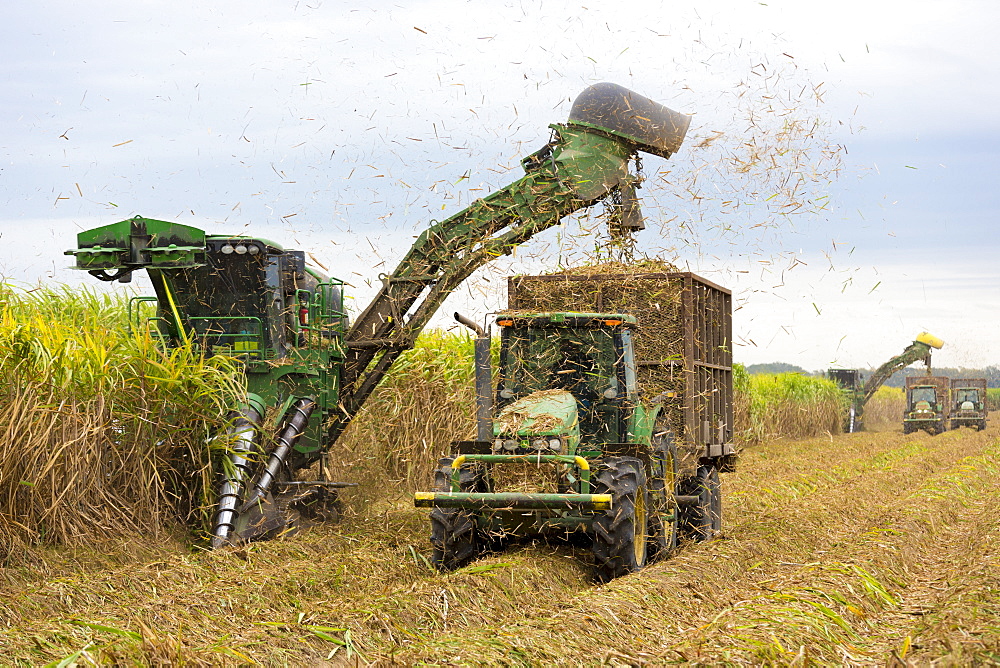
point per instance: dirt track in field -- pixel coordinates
(860, 549)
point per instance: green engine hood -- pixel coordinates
(548, 412)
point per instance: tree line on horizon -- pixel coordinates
(990, 373)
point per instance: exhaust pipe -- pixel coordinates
(484, 379)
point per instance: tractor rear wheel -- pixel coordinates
(702, 521)
(621, 534)
(454, 534)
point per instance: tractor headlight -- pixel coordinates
(538, 443)
(555, 444)
(510, 444)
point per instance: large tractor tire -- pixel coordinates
(663, 487)
(702, 521)
(621, 534)
(454, 535)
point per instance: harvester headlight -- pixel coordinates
(227, 249)
(253, 249)
(498, 445)
(555, 444)
(241, 250)
(510, 444)
(538, 443)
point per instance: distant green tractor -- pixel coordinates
(968, 403)
(926, 404)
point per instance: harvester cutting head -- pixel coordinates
(138, 243)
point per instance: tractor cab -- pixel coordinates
(923, 398)
(967, 399)
(585, 358)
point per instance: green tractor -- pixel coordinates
(626, 448)
(857, 392)
(308, 371)
(968, 403)
(927, 404)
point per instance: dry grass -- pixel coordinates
(842, 550)
(838, 549)
(786, 405)
(106, 434)
(884, 411)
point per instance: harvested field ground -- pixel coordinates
(871, 548)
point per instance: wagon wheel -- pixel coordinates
(702, 520)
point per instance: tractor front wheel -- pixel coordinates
(454, 534)
(621, 534)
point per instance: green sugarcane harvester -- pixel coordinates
(308, 370)
(858, 391)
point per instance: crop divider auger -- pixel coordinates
(252, 298)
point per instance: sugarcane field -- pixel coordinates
(514, 334)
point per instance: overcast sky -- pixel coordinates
(838, 176)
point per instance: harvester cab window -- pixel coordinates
(583, 361)
(224, 302)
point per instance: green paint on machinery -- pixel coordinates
(626, 448)
(927, 400)
(309, 371)
(968, 403)
(857, 391)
